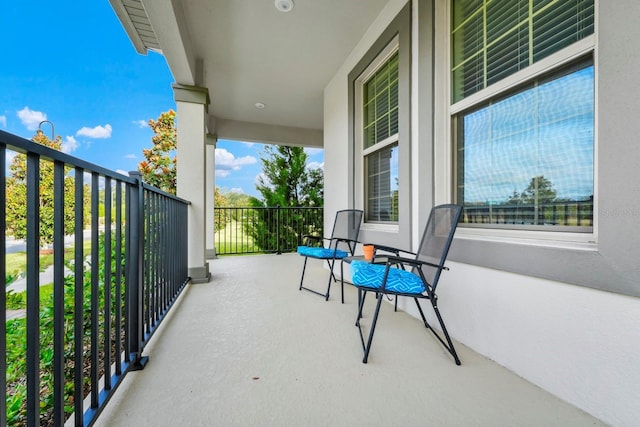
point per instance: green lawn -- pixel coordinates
(233, 239)
(17, 262)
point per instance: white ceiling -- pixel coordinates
(246, 51)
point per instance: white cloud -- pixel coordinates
(96, 132)
(31, 119)
(69, 144)
(315, 165)
(227, 162)
(237, 190)
(3, 121)
(265, 180)
(123, 172)
(130, 156)
(141, 123)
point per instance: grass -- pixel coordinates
(16, 263)
(233, 239)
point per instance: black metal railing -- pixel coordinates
(246, 230)
(561, 213)
(128, 265)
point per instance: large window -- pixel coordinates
(380, 140)
(525, 154)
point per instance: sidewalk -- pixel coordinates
(16, 314)
(46, 277)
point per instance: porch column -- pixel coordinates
(191, 105)
(211, 181)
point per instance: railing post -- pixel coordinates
(278, 251)
(136, 269)
(33, 290)
(3, 295)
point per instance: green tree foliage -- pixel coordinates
(16, 191)
(287, 182)
(313, 188)
(237, 200)
(159, 167)
(220, 219)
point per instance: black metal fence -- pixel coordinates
(571, 214)
(64, 356)
(245, 230)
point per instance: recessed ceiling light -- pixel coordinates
(259, 105)
(284, 5)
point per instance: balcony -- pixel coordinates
(248, 348)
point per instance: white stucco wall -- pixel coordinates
(582, 345)
(338, 191)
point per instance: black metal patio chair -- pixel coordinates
(419, 282)
(342, 243)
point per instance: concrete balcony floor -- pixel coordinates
(249, 349)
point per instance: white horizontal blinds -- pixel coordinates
(382, 185)
(559, 24)
(467, 43)
(381, 103)
(380, 145)
(507, 38)
(492, 39)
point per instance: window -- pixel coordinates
(525, 155)
(379, 147)
(494, 39)
(380, 141)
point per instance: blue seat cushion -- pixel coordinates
(371, 275)
(322, 253)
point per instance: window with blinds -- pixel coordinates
(524, 154)
(492, 39)
(380, 142)
(381, 103)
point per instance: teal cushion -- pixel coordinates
(371, 275)
(322, 253)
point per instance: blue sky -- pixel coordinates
(72, 64)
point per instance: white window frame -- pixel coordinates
(444, 167)
(360, 169)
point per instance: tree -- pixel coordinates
(514, 199)
(287, 181)
(159, 168)
(539, 191)
(219, 219)
(313, 188)
(16, 190)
